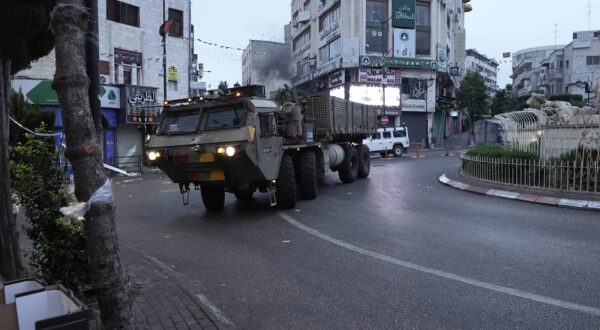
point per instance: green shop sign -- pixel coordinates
(403, 14)
(375, 61)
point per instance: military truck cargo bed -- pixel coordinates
(336, 118)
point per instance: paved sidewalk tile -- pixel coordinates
(159, 302)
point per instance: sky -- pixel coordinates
(493, 27)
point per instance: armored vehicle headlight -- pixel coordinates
(153, 155)
(230, 151)
(220, 150)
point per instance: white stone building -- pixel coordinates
(486, 67)
(411, 51)
(268, 63)
(131, 71)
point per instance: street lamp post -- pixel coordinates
(427, 83)
(383, 52)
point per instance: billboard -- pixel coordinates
(404, 43)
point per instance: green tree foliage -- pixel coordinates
(59, 250)
(25, 30)
(472, 99)
(27, 115)
(223, 86)
(25, 37)
(505, 100)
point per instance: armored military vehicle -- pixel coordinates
(241, 142)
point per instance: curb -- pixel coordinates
(216, 316)
(530, 198)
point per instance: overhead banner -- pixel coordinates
(350, 52)
(403, 14)
(442, 57)
(404, 43)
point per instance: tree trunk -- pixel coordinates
(109, 280)
(11, 265)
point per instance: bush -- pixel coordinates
(574, 99)
(59, 251)
(498, 151)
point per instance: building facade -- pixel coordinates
(268, 63)
(572, 68)
(403, 56)
(131, 72)
(486, 67)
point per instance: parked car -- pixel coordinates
(392, 140)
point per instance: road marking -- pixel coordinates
(439, 273)
(169, 191)
(217, 313)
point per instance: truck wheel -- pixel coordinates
(320, 167)
(286, 184)
(348, 169)
(364, 161)
(308, 175)
(398, 150)
(213, 197)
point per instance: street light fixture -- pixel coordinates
(427, 83)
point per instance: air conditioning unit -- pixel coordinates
(304, 16)
(104, 79)
(312, 62)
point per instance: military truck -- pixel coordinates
(240, 142)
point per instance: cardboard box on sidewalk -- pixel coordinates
(52, 307)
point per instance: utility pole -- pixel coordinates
(92, 55)
(164, 61)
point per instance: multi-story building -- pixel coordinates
(549, 70)
(486, 67)
(268, 63)
(401, 55)
(131, 71)
(527, 69)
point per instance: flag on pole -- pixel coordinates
(165, 27)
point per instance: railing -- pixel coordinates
(132, 164)
(579, 175)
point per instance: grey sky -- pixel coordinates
(492, 27)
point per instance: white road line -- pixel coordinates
(459, 278)
(215, 310)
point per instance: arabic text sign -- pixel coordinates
(403, 14)
(137, 101)
(404, 43)
(371, 75)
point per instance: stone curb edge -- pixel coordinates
(538, 199)
(219, 318)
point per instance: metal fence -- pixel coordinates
(579, 175)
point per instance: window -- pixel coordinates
(224, 118)
(423, 27)
(387, 135)
(295, 19)
(399, 134)
(567, 63)
(376, 33)
(328, 20)
(306, 6)
(375, 136)
(172, 85)
(268, 126)
(330, 51)
(121, 12)
(593, 60)
(302, 40)
(176, 29)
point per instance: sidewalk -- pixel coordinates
(163, 299)
(582, 201)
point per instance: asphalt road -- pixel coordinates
(395, 250)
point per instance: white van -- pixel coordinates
(392, 140)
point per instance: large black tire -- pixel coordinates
(364, 161)
(286, 184)
(308, 175)
(398, 150)
(348, 169)
(320, 167)
(213, 197)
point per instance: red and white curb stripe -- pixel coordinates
(560, 202)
